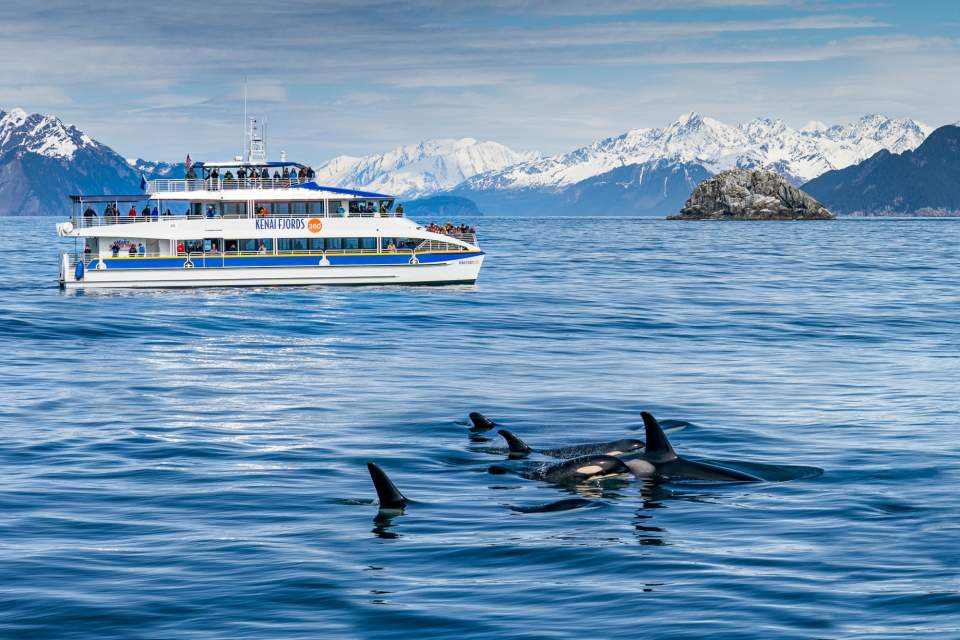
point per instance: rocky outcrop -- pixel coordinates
(739, 194)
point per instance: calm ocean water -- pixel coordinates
(192, 463)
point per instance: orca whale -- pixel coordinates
(668, 465)
(658, 461)
(520, 449)
(391, 500)
(481, 422)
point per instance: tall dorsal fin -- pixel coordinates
(658, 447)
(516, 445)
(387, 492)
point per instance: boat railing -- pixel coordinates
(169, 185)
(81, 222)
(439, 245)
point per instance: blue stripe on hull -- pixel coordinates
(221, 262)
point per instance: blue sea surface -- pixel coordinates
(191, 463)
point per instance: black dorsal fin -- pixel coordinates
(658, 447)
(480, 421)
(516, 445)
(387, 492)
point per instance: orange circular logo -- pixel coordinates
(315, 225)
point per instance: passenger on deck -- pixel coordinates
(191, 174)
(87, 250)
(115, 249)
(340, 210)
(399, 211)
(311, 174)
(383, 208)
(392, 248)
(286, 176)
(262, 212)
(241, 174)
(262, 249)
(180, 247)
(168, 212)
(141, 250)
(264, 174)
(89, 213)
(155, 213)
(228, 177)
(276, 175)
(210, 212)
(133, 251)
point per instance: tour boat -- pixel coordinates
(259, 223)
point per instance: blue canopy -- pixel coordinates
(313, 186)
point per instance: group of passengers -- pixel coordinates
(450, 228)
(260, 176)
(134, 250)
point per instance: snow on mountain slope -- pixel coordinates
(799, 154)
(42, 161)
(418, 169)
(40, 134)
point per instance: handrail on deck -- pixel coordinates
(167, 185)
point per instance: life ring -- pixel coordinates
(188, 264)
(413, 260)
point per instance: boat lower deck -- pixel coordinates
(272, 270)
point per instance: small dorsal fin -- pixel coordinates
(516, 445)
(387, 492)
(658, 447)
(480, 421)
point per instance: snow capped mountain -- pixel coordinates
(40, 134)
(158, 170)
(799, 154)
(419, 169)
(42, 161)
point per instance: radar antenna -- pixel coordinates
(256, 139)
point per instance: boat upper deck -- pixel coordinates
(169, 189)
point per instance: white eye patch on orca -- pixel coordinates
(590, 469)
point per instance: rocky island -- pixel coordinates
(741, 194)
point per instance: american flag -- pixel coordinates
(188, 163)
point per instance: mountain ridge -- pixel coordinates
(921, 180)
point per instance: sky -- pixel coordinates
(356, 77)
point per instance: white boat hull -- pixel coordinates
(462, 271)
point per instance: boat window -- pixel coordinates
(368, 243)
(402, 243)
(252, 245)
(299, 244)
(298, 208)
(334, 244)
(315, 207)
(317, 244)
(335, 206)
(190, 246)
(351, 243)
(280, 208)
(235, 209)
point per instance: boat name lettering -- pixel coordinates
(281, 223)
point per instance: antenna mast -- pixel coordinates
(243, 128)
